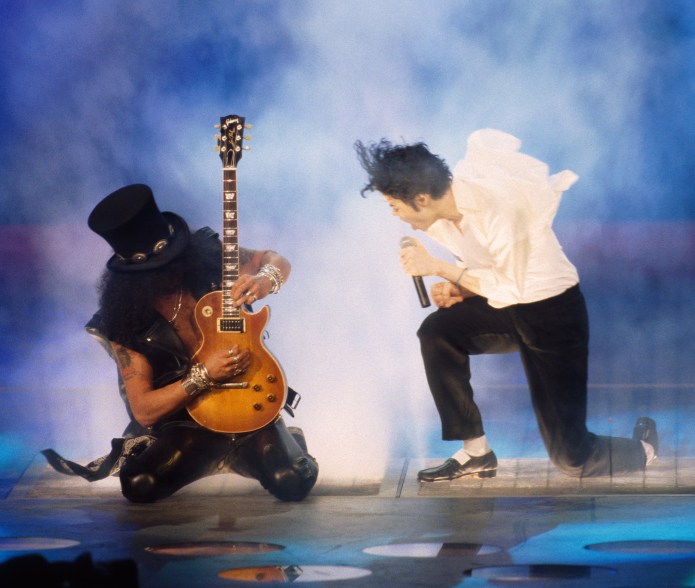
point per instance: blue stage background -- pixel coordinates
(96, 95)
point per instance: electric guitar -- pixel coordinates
(253, 399)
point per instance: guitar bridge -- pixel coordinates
(231, 325)
(232, 385)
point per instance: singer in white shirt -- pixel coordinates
(508, 288)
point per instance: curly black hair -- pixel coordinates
(126, 302)
(403, 171)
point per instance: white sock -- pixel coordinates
(472, 448)
(649, 452)
(476, 447)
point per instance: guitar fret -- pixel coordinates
(230, 245)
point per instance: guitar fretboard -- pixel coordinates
(230, 241)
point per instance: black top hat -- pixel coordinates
(141, 236)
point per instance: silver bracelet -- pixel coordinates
(197, 380)
(274, 275)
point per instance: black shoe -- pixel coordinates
(484, 466)
(645, 430)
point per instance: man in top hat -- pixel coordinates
(148, 293)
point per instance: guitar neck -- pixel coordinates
(230, 240)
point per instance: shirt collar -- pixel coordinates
(463, 195)
(465, 204)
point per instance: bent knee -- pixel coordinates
(139, 487)
(430, 326)
(569, 464)
(292, 484)
(572, 471)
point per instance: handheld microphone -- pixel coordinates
(417, 280)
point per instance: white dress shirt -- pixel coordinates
(505, 238)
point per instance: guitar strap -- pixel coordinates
(293, 398)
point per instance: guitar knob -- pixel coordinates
(257, 387)
(271, 398)
(257, 406)
(271, 378)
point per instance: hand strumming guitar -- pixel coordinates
(224, 364)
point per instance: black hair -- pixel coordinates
(403, 171)
(127, 299)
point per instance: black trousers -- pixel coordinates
(185, 452)
(552, 337)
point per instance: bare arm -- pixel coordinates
(251, 285)
(149, 405)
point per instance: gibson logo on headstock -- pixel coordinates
(230, 140)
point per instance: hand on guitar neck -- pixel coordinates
(251, 287)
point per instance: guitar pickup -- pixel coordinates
(231, 325)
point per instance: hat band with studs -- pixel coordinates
(158, 247)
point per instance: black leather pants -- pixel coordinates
(185, 452)
(552, 337)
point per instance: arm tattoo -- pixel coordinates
(125, 364)
(245, 255)
(123, 357)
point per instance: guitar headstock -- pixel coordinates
(231, 138)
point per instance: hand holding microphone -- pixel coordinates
(417, 280)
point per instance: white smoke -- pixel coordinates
(130, 91)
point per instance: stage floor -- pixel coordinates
(528, 526)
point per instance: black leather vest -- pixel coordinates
(160, 343)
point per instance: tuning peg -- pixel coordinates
(246, 148)
(247, 138)
(248, 127)
(217, 126)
